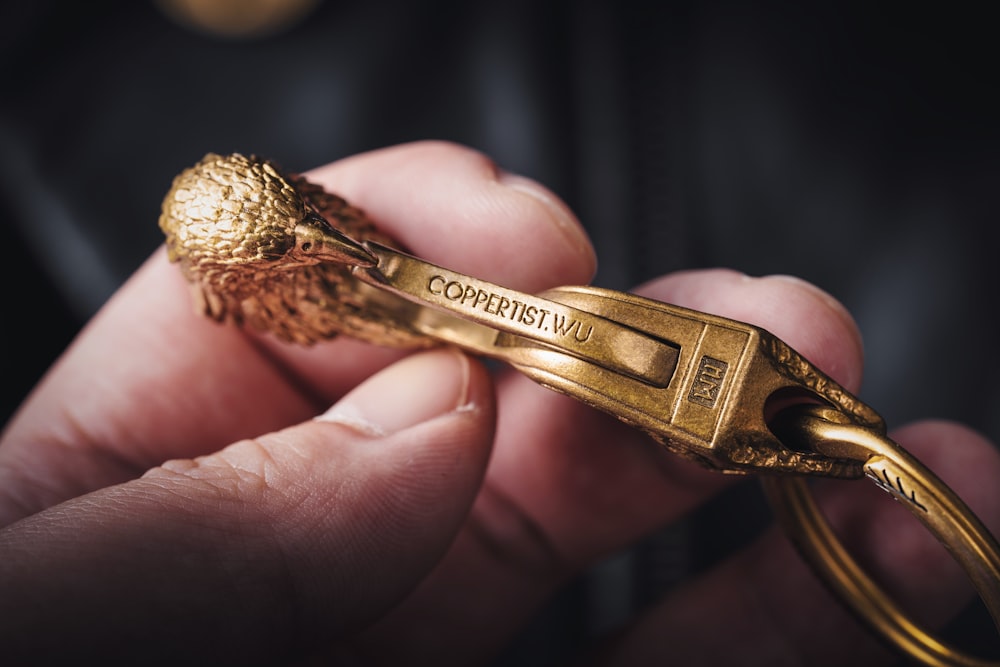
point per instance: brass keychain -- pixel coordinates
(282, 255)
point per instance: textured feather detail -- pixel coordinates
(229, 223)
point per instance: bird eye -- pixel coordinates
(306, 246)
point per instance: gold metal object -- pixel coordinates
(282, 255)
(893, 469)
(699, 384)
(259, 248)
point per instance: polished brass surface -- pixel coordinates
(698, 383)
(547, 322)
(893, 469)
(278, 253)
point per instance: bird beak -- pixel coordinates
(317, 241)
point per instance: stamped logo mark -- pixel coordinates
(708, 381)
(500, 306)
(566, 329)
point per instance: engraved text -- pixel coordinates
(514, 310)
(708, 381)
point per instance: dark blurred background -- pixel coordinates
(853, 146)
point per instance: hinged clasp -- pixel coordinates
(700, 384)
(730, 376)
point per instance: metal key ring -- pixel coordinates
(928, 498)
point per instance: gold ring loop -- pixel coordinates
(928, 498)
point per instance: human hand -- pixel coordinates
(435, 506)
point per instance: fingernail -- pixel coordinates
(561, 214)
(410, 392)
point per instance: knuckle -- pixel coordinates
(245, 472)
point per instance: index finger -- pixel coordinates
(149, 380)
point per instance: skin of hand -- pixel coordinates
(169, 495)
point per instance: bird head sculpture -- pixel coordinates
(272, 250)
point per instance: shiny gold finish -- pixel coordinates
(279, 253)
(893, 469)
(274, 251)
(699, 384)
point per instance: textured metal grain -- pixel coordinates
(230, 224)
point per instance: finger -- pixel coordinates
(773, 610)
(264, 549)
(453, 206)
(456, 207)
(593, 491)
(149, 380)
(567, 486)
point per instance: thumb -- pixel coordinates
(266, 548)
